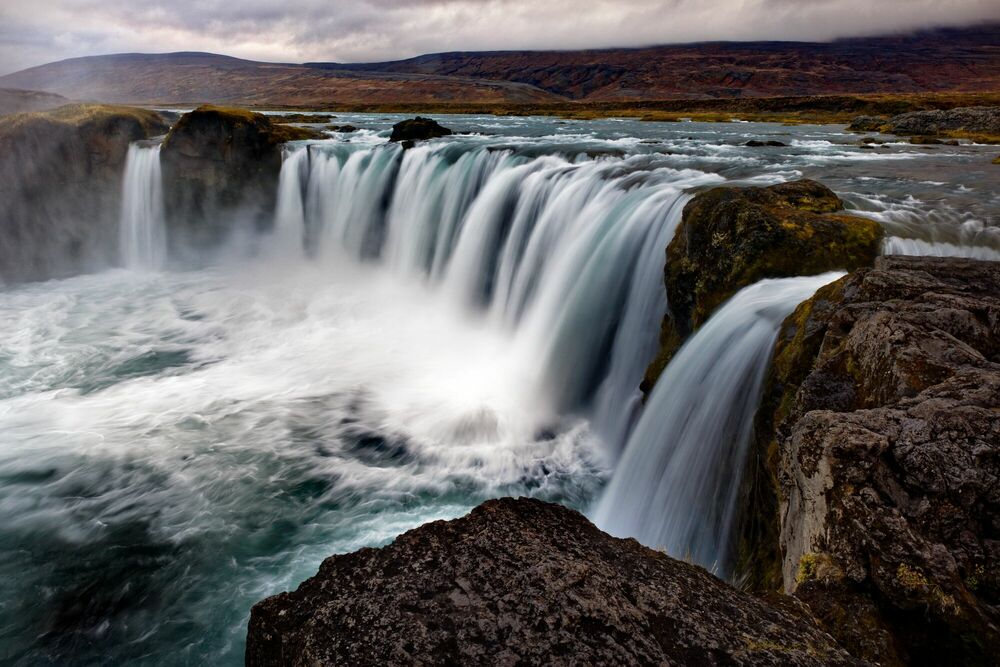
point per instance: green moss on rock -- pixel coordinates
(732, 237)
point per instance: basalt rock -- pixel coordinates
(731, 237)
(525, 582)
(754, 143)
(417, 129)
(219, 169)
(60, 185)
(963, 121)
(882, 461)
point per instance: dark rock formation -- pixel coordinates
(342, 128)
(60, 185)
(753, 143)
(220, 166)
(524, 582)
(884, 405)
(732, 237)
(964, 121)
(417, 129)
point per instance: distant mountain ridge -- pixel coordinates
(947, 60)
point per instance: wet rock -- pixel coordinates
(525, 582)
(732, 237)
(346, 129)
(60, 187)
(219, 169)
(884, 406)
(753, 143)
(417, 129)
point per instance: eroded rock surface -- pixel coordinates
(731, 237)
(525, 582)
(886, 392)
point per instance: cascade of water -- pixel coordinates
(290, 214)
(677, 482)
(566, 254)
(142, 230)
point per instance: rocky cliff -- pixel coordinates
(731, 237)
(525, 582)
(220, 172)
(60, 184)
(884, 413)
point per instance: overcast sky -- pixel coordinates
(33, 32)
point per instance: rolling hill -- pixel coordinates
(949, 60)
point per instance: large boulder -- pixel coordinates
(731, 237)
(417, 129)
(883, 411)
(220, 171)
(525, 582)
(60, 184)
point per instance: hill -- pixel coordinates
(940, 61)
(189, 78)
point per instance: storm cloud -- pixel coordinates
(33, 33)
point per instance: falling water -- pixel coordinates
(565, 254)
(676, 484)
(142, 231)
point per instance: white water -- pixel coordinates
(564, 256)
(895, 245)
(677, 483)
(142, 230)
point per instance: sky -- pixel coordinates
(34, 32)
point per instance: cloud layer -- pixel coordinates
(33, 33)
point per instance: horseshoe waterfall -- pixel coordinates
(241, 365)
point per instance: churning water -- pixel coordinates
(419, 332)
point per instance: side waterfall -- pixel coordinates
(142, 230)
(565, 254)
(677, 482)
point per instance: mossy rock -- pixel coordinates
(732, 237)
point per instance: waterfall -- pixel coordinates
(142, 230)
(895, 245)
(564, 253)
(677, 482)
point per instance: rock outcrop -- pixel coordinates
(525, 582)
(60, 184)
(963, 121)
(417, 129)
(884, 405)
(731, 237)
(220, 167)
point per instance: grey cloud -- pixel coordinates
(359, 30)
